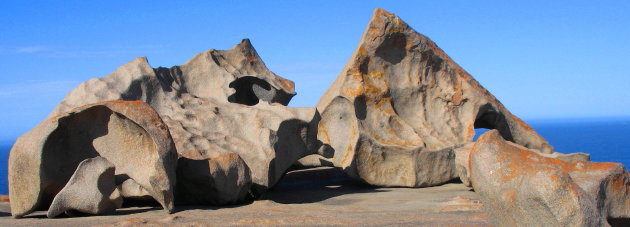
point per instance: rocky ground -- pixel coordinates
(321, 196)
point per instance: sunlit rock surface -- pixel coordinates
(520, 187)
(91, 190)
(401, 105)
(219, 102)
(128, 134)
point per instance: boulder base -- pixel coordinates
(90, 190)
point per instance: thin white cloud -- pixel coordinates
(97, 53)
(31, 49)
(82, 52)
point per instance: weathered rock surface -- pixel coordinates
(222, 180)
(91, 190)
(129, 134)
(237, 75)
(462, 160)
(401, 105)
(218, 102)
(129, 189)
(520, 187)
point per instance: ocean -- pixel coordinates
(607, 140)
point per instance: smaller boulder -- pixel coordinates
(462, 159)
(521, 187)
(224, 179)
(91, 190)
(129, 134)
(132, 190)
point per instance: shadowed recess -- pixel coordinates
(489, 118)
(393, 48)
(249, 90)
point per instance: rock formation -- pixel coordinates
(521, 187)
(401, 105)
(462, 160)
(91, 189)
(226, 179)
(219, 102)
(128, 134)
(237, 75)
(401, 113)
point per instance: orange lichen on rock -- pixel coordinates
(287, 84)
(414, 97)
(512, 179)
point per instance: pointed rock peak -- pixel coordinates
(379, 12)
(246, 48)
(382, 18)
(389, 37)
(141, 61)
(387, 25)
(245, 44)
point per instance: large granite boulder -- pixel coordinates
(219, 102)
(401, 105)
(91, 190)
(128, 134)
(521, 187)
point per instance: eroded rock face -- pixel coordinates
(219, 102)
(91, 190)
(222, 180)
(128, 134)
(237, 75)
(401, 105)
(520, 187)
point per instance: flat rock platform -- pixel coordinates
(311, 197)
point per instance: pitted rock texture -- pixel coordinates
(90, 190)
(238, 75)
(129, 134)
(222, 180)
(219, 102)
(401, 105)
(520, 187)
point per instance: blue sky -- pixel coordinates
(542, 59)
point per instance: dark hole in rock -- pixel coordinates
(614, 222)
(360, 107)
(393, 48)
(249, 91)
(489, 118)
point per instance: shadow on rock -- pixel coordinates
(202, 207)
(614, 222)
(315, 185)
